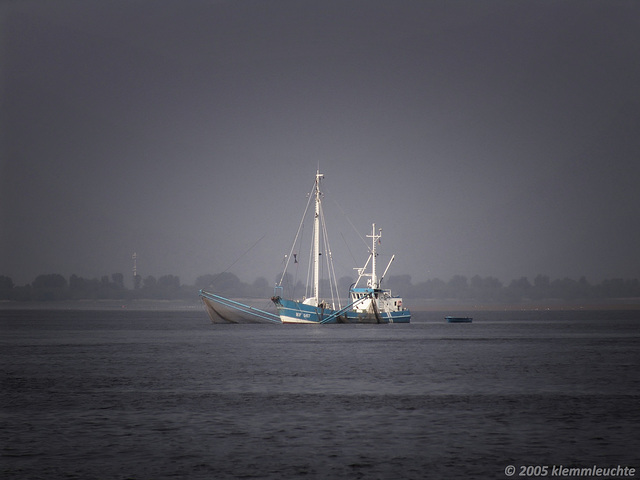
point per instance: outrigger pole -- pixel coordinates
(340, 312)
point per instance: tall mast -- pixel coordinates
(316, 239)
(374, 238)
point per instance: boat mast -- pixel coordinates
(374, 238)
(316, 239)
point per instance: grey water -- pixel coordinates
(165, 394)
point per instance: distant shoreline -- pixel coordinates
(527, 306)
(139, 305)
(415, 305)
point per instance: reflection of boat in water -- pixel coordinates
(451, 319)
(368, 304)
(225, 310)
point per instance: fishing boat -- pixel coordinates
(369, 303)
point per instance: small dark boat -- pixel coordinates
(451, 319)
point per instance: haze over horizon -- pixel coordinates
(495, 138)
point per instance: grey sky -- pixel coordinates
(485, 137)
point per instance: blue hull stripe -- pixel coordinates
(297, 312)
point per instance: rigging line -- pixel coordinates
(297, 263)
(326, 250)
(333, 283)
(355, 262)
(308, 292)
(297, 233)
(247, 251)
(349, 220)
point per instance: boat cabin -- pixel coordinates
(385, 302)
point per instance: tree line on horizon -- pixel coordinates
(55, 287)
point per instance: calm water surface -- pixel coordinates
(159, 394)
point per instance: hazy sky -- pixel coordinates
(485, 137)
